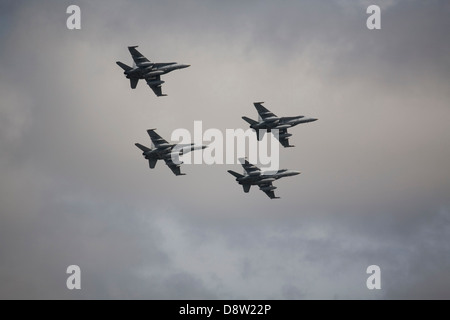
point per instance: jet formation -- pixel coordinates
(150, 71)
(269, 121)
(162, 150)
(254, 176)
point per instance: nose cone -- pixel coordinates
(308, 120)
(293, 172)
(182, 66)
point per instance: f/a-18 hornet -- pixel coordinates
(150, 71)
(269, 121)
(162, 150)
(254, 176)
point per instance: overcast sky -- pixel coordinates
(375, 180)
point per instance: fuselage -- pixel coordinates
(150, 70)
(280, 123)
(167, 151)
(258, 177)
(158, 153)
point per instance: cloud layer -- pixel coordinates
(375, 178)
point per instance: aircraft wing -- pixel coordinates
(174, 167)
(249, 167)
(284, 141)
(157, 89)
(270, 193)
(262, 111)
(157, 140)
(138, 57)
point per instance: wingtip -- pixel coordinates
(260, 102)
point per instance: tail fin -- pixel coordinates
(237, 175)
(152, 163)
(260, 133)
(133, 82)
(251, 121)
(143, 148)
(123, 66)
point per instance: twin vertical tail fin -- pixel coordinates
(143, 148)
(123, 66)
(250, 121)
(237, 175)
(133, 81)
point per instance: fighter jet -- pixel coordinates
(268, 121)
(150, 71)
(254, 176)
(162, 150)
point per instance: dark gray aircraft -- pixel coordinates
(253, 176)
(150, 71)
(162, 150)
(268, 121)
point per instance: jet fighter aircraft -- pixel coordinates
(254, 176)
(162, 150)
(268, 121)
(150, 71)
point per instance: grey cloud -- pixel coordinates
(374, 182)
